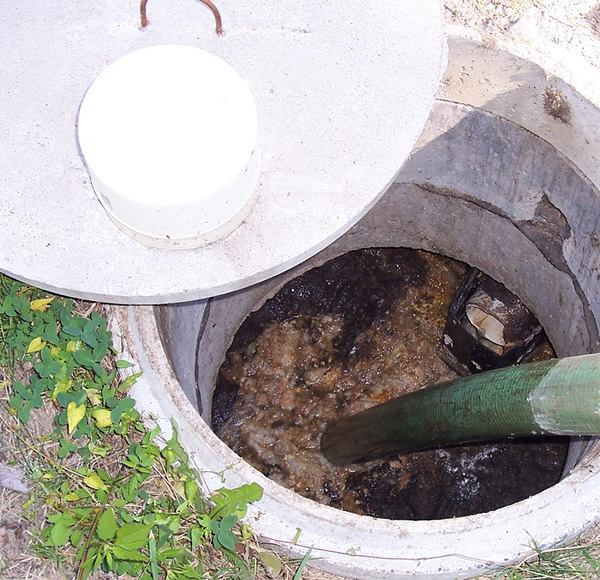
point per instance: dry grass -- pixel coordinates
(578, 561)
(19, 525)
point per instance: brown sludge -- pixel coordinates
(353, 333)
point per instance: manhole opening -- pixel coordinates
(365, 327)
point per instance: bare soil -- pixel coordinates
(539, 24)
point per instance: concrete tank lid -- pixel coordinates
(342, 89)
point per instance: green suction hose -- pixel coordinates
(558, 397)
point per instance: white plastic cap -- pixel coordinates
(169, 136)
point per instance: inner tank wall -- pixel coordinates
(500, 83)
(508, 170)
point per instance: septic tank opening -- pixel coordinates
(359, 330)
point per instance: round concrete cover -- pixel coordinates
(343, 90)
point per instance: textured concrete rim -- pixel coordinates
(343, 90)
(456, 548)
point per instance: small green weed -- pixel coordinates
(142, 513)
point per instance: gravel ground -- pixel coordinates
(572, 25)
(560, 35)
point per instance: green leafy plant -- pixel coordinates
(118, 495)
